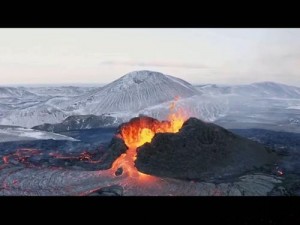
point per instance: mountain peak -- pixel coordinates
(143, 73)
(271, 83)
(266, 83)
(139, 76)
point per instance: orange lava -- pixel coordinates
(141, 130)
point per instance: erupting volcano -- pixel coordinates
(141, 130)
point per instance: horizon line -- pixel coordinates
(78, 84)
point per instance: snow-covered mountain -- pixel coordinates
(261, 90)
(139, 92)
(130, 93)
(59, 91)
(10, 133)
(265, 105)
(34, 115)
(122, 98)
(204, 107)
(31, 106)
(12, 92)
(149, 93)
(20, 107)
(271, 89)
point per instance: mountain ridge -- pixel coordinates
(144, 92)
(132, 92)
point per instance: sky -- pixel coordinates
(199, 56)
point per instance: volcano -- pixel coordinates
(184, 150)
(201, 151)
(138, 131)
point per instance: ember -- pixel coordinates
(279, 171)
(84, 156)
(21, 155)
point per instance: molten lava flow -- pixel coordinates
(83, 156)
(141, 130)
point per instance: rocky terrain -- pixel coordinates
(31, 179)
(48, 182)
(79, 122)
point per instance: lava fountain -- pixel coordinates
(141, 130)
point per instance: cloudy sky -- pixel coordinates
(235, 56)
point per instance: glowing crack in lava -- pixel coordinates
(141, 130)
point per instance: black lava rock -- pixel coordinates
(114, 190)
(200, 151)
(116, 148)
(119, 171)
(79, 122)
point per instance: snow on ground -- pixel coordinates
(20, 133)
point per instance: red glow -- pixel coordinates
(280, 172)
(84, 156)
(15, 182)
(5, 159)
(21, 155)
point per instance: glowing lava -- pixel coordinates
(141, 130)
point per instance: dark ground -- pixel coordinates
(95, 142)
